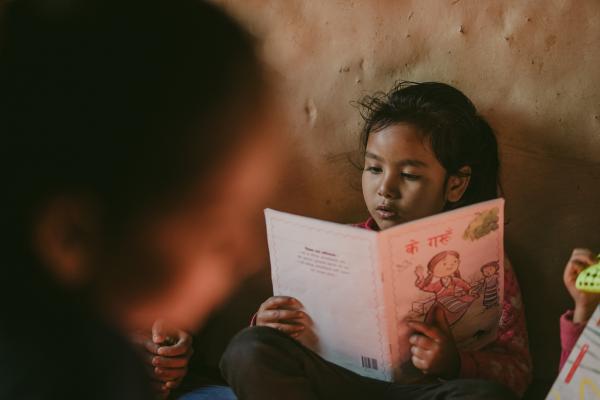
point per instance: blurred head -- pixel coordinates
(426, 150)
(136, 153)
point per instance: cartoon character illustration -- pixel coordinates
(490, 284)
(452, 293)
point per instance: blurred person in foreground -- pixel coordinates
(136, 153)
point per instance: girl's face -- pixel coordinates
(402, 179)
(446, 267)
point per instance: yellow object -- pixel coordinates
(585, 382)
(589, 279)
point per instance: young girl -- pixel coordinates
(426, 150)
(451, 291)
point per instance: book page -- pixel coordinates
(579, 378)
(453, 261)
(332, 270)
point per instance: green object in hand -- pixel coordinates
(588, 280)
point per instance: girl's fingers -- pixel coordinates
(419, 352)
(577, 268)
(173, 384)
(276, 302)
(147, 358)
(427, 330)
(579, 265)
(150, 346)
(278, 315)
(583, 257)
(422, 341)
(573, 270)
(583, 252)
(420, 363)
(286, 328)
(170, 362)
(169, 374)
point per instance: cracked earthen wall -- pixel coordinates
(531, 67)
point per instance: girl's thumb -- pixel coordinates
(442, 321)
(159, 333)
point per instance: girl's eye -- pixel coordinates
(373, 170)
(410, 177)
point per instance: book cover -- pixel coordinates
(359, 287)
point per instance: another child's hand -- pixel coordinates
(166, 352)
(282, 313)
(585, 303)
(433, 349)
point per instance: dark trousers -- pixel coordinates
(262, 364)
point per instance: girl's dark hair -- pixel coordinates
(126, 102)
(458, 135)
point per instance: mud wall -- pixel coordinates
(531, 67)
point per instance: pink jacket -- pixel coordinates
(507, 359)
(569, 333)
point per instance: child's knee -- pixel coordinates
(252, 346)
(472, 389)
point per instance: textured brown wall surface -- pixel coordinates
(531, 67)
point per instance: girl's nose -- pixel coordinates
(383, 193)
(388, 188)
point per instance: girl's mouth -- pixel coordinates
(386, 212)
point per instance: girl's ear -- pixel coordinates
(458, 184)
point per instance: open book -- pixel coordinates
(360, 286)
(580, 376)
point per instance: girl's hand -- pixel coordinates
(174, 353)
(433, 349)
(282, 313)
(585, 303)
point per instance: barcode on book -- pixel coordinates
(370, 363)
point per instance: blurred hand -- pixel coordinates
(585, 303)
(166, 351)
(433, 348)
(282, 313)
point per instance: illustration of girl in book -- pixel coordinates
(452, 293)
(490, 284)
